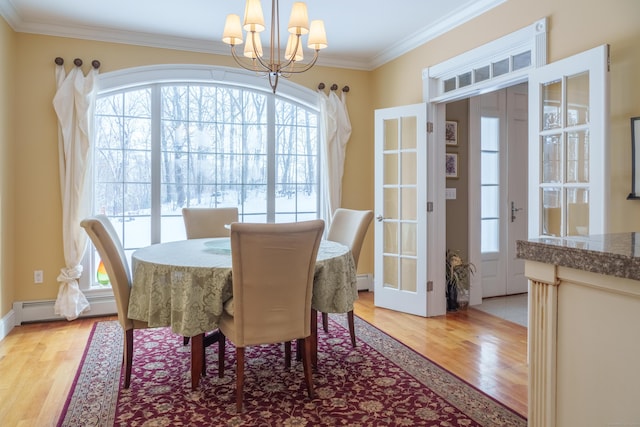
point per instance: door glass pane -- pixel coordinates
(578, 156)
(489, 235)
(578, 99)
(390, 169)
(409, 137)
(391, 272)
(551, 214)
(409, 207)
(552, 105)
(551, 157)
(391, 134)
(408, 237)
(490, 167)
(577, 212)
(408, 278)
(490, 198)
(390, 237)
(390, 203)
(408, 168)
(489, 133)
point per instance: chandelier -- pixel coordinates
(274, 66)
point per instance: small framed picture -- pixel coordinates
(451, 166)
(451, 133)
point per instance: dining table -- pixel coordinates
(187, 285)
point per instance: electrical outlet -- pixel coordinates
(38, 276)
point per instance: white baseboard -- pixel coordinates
(365, 282)
(43, 310)
(7, 323)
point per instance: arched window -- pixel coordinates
(168, 137)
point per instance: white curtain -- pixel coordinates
(73, 103)
(336, 132)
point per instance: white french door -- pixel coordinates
(568, 107)
(401, 209)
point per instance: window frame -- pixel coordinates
(156, 75)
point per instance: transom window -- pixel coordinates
(161, 146)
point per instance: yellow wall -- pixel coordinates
(574, 26)
(7, 95)
(36, 158)
(31, 207)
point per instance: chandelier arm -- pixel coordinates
(242, 63)
(267, 66)
(302, 69)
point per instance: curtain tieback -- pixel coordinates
(69, 275)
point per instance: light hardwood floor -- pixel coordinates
(38, 361)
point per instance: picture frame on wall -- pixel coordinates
(451, 132)
(451, 165)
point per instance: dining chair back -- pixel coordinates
(272, 268)
(106, 241)
(349, 227)
(208, 222)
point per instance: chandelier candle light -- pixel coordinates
(274, 66)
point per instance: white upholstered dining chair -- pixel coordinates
(107, 243)
(349, 227)
(208, 222)
(272, 267)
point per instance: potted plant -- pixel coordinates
(459, 274)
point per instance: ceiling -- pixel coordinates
(362, 34)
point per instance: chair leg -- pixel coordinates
(325, 322)
(314, 338)
(306, 363)
(128, 356)
(352, 330)
(287, 354)
(204, 359)
(239, 378)
(221, 348)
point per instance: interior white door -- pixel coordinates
(401, 209)
(568, 110)
(499, 145)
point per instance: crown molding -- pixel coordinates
(454, 19)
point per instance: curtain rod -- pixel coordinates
(333, 87)
(78, 62)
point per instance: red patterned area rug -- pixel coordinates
(381, 382)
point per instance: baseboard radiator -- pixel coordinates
(40, 311)
(365, 282)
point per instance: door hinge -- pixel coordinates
(430, 286)
(429, 206)
(429, 127)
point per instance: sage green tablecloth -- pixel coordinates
(186, 284)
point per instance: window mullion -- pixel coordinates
(156, 163)
(271, 158)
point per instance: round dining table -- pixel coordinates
(186, 285)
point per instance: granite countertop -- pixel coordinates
(615, 254)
